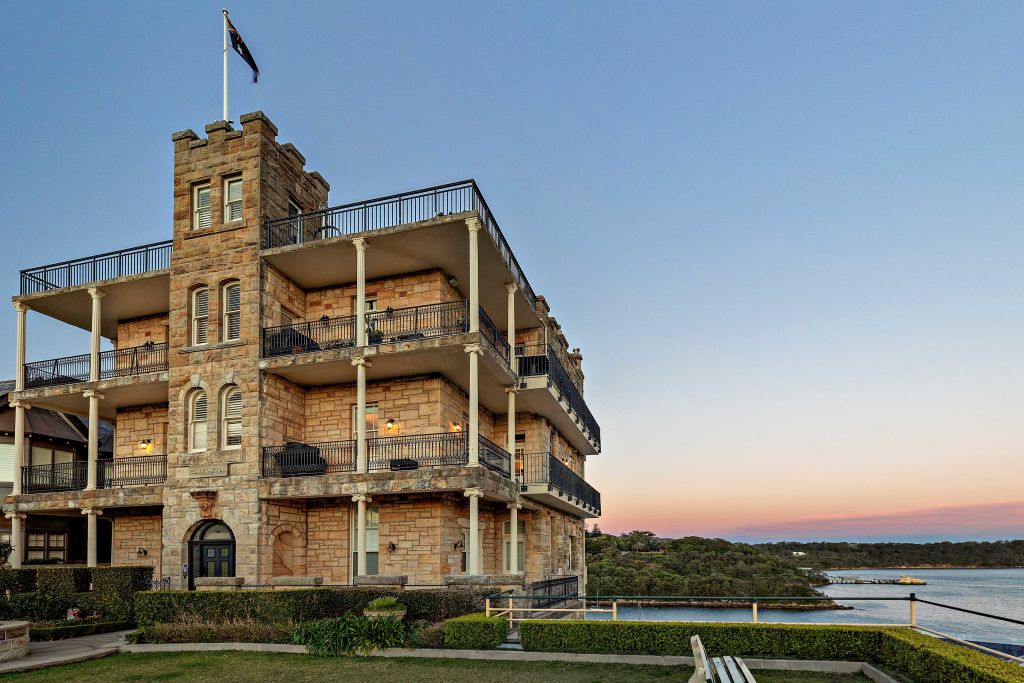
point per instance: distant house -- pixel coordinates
(55, 444)
(799, 553)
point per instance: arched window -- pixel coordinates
(198, 409)
(211, 551)
(231, 311)
(200, 313)
(231, 418)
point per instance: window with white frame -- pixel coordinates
(287, 317)
(231, 412)
(231, 304)
(464, 553)
(200, 306)
(371, 420)
(233, 199)
(571, 552)
(372, 540)
(7, 462)
(45, 546)
(371, 302)
(198, 411)
(202, 214)
(520, 546)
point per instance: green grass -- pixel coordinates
(250, 667)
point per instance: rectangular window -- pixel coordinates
(464, 554)
(371, 420)
(287, 317)
(7, 462)
(521, 546)
(45, 546)
(202, 216)
(48, 455)
(232, 200)
(571, 554)
(200, 315)
(371, 303)
(372, 540)
(232, 329)
(233, 419)
(199, 409)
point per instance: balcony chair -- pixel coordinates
(300, 460)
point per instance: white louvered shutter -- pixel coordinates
(200, 315)
(233, 200)
(233, 418)
(232, 311)
(203, 216)
(197, 422)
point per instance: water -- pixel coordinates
(994, 591)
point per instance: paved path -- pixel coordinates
(45, 654)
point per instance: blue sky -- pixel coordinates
(787, 236)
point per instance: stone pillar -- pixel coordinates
(360, 245)
(513, 536)
(511, 441)
(19, 444)
(94, 437)
(360, 499)
(474, 274)
(94, 350)
(473, 551)
(90, 553)
(510, 335)
(19, 354)
(474, 352)
(17, 538)
(361, 454)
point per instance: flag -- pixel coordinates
(238, 45)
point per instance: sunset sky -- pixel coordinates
(787, 237)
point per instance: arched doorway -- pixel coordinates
(211, 551)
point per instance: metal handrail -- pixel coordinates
(112, 264)
(546, 362)
(417, 322)
(547, 470)
(61, 476)
(494, 337)
(305, 337)
(133, 471)
(113, 363)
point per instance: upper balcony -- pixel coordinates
(146, 470)
(136, 282)
(409, 232)
(543, 476)
(556, 397)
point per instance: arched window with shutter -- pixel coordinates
(198, 411)
(231, 417)
(200, 315)
(231, 303)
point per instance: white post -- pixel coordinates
(19, 444)
(474, 274)
(360, 499)
(19, 359)
(474, 352)
(511, 442)
(513, 537)
(17, 538)
(360, 244)
(19, 406)
(473, 552)
(362, 461)
(91, 541)
(225, 64)
(913, 610)
(512, 363)
(94, 350)
(753, 613)
(94, 437)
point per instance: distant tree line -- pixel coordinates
(829, 555)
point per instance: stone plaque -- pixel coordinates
(214, 469)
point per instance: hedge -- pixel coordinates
(922, 658)
(205, 632)
(475, 632)
(294, 606)
(114, 590)
(63, 582)
(76, 630)
(17, 580)
(59, 589)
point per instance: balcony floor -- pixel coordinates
(119, 392)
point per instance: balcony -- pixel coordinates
(542, 362)
(92, 269)
(74, 476)
(384, 454)
(113, 363)
(546, 477)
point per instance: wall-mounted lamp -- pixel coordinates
(458, 546)
(146, 444)
(390, 424)
(392, 547)
(456, 426)
(141, 552)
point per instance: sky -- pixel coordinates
(787, 236)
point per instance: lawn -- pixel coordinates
(250, 667)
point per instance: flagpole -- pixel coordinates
(225, 64)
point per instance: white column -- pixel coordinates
(94, 437)
(510, 445)
(360, 245)
(90, 552)
(19, 444)
(474, 274)
(510, 335)
(473, 551)
(19, 355)
(513, 536)
(361, 456)
(360, 499)
(17, 538)
(97, 322)
(474, 352)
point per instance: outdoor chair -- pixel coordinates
(719, 669)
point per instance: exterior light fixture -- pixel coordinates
(456, 426)
(145, 444)
(458, 545)
(392, 547)
(390, 424)
(141, 552)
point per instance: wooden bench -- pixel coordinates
(719, 669)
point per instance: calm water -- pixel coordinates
(995, 591)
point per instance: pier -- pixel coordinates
(901, 581)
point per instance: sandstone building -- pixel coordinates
(372, 389)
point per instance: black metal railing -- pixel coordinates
(113, 363)
(547, 470)
(108, 266)
(61, 476)
(417, 451)
(390, 211)
(317, 335)
(542, 360)
(550, 592)
(296, 459)
(417, 322)
(132, 471)
(385, 453)
(494, 337)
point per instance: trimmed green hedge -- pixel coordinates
(17, 580)
(64, 581)
(61, 588)
(475, 632)
(294, 606)
(114, 590)
(922, 658)
(76, 630)
(239, 632)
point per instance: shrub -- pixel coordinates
(34, 606)
(114, 589)
(238, 631)
(76, 630)
(350, 635)
(429, 635)
(475, 632)
(385, 604)
(928, 660)
(63, 582)
(17, 580)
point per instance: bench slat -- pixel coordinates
(747, 676)
(721, 671)
(734, 671)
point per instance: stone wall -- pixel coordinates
(414, 289)
(330, 552)
(138, 423)
(139, 331)
(132, 532)
(283, 411)
(280, 292)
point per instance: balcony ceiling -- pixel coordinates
(69, 398)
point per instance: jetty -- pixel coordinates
(901, 581)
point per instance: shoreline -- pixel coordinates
(913, 567)
(731, 604)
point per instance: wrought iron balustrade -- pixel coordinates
(415, 451)
(551, 592)
(494, 457)
(417, 322)
(113, 363)
(537, 361)
(316, 335)
(132, 471)
(297, 459)
(494, 337)
(108, 266)
(547, 470)
(391, 211)
(61, 476)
